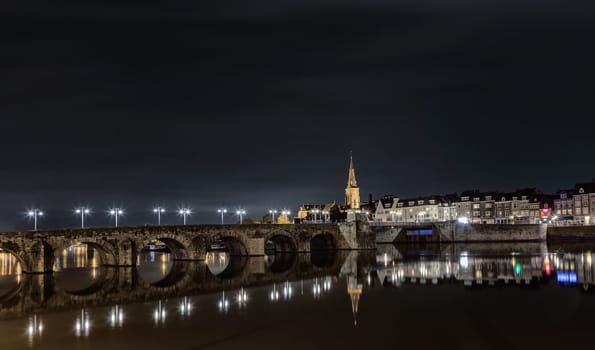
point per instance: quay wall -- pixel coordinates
(571, 233)
(457, 232)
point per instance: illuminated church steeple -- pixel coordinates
(352, 198)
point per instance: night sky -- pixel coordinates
(258, 103)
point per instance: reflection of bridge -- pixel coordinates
(120, 285)
(37, 251)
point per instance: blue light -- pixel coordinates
(567, 277)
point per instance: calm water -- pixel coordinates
(454, 296)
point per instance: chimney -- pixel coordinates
(370, 199)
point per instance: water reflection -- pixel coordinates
(116, 317)
(82, 325)
(201, 283)
(34, 329)
(159, 314)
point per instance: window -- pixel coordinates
(476, 199)
(432, 201)
(488, 205)
(488, 198)
(476, 206)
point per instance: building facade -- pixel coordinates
(390, 209)
(575, 206)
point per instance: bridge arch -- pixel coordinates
(280, 242)
(18, 252)
(233, 243)
(101, 246)
(323, 241)
(177, 245)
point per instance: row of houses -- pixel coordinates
(523, 206)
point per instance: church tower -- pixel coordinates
(352, 198)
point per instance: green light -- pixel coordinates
(517, 269)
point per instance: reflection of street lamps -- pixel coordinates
(116, 317)
(159, 314)
(242, 297)
(34, 213)
(82, 211)
(241, 213)
(273, 212)
(82, 326)
(223, 303)
(159, 211)
(184, 212)
(116, 212)
(34, 328)
(274, 293)
(185, 307)
(222, 211)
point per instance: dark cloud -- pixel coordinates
(258, 103)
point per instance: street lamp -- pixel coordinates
(316, 212)
(35, 213)
(286, 213)
(184, 212)
(159, 211)
(241, 213)
(82, 211)
(116, 213)
(273, 212)
(222, 211)
(325, 214)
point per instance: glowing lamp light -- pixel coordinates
(463, 220)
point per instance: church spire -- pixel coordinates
(352, 198)
(351, 181)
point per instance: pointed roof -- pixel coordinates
(351, 181)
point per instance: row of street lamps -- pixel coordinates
(35, 214)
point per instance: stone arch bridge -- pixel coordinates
(37, 251)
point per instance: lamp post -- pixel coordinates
(116, 213)
(286, 213)
(82, 211)
(35, 213)
(184, 212)
(325, 214)
(159, 211)
(273, 212)
(222, 211)
(241, 213)
(316, 212)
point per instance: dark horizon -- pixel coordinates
(259, 104)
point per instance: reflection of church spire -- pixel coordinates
(355, 291)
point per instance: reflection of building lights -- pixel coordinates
(185, 307)
(159, 314)
(82, 326)
(464, 260)
(547, 268)
(223, 303)
(116, 317)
